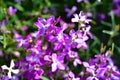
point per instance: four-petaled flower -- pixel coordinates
(81, 18)
(10, 69)
(70, 11)
(57, 63)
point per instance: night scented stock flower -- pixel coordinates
(10, 69)
(50, 50)
(57, 63)
(43, 24)
(52, 46)
(12, 10)
(101, 68)
(70, 11)
(81, 18)
(81, 35)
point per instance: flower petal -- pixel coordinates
(4, 67)
(16, 71)
(12, 64)
(61, 66)
(54, 67)
(9, 74)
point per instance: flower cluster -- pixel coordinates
(51, 45)
(101, 68)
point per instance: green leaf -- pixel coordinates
(19, 7)
(106, 23)
(112, 19)
(108, 32)
(44, 78)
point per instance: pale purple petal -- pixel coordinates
(61, 66)
(71, 74)
(16, 71)
(12, 64)
(90, 78)
(54, 67)
(76, 62)
(76, 18)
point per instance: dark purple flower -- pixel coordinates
(43, 24)
(101, 17)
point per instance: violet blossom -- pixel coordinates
(57, 63)
(43, 24)
(81, 18)
(70, 11)
(85, 1)
(12, 10)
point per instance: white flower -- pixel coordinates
(10, 70)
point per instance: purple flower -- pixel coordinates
(11, 10)
(70, 11)
(31, 66)
(72, 54)
(76, 62)
(78, 40)
(43, 24)
(57, 63)
(81, 18)
(37, 72)
(89, 68)
(24, 28)
(101, 17)
(101, 67)
(116, 10)
(72, 76)
(78, 1)
(24, 42)
(1, 53)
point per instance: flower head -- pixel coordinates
(11, 10)
(57, 63)
(10, 69)
(81, 18)
(70, 11)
